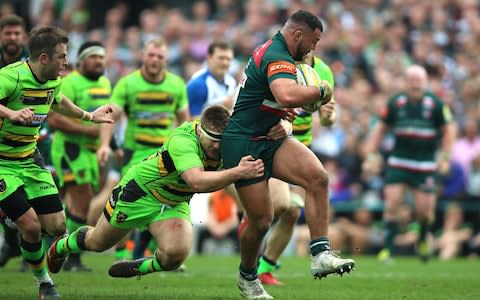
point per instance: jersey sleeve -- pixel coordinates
(278, 65)
(443, 114)
(182, 101)
(386, 114)
(9, 81)
(184, 152)
(197, 95)
(119, 93)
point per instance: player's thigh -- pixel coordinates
(295, 163)
(279, 193)
(425, 202)
(394, 194)
(172, 229)
(256, 201)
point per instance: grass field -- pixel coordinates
(215, 277)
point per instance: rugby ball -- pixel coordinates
(307, 76)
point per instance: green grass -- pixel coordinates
(215, 277)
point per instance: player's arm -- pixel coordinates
(202, 181)
(105, 135)
(372, 161)
(8, 86)
(67, 125)
(327, 113)
(67, 108)
(448, 130)
(182, 115)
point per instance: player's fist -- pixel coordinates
(326, 92)
(249, 168)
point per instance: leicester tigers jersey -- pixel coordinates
(256, 109)
(417, 128)
(21, 89)
(150, 107)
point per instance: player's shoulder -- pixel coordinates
(14, 69)
(173, 78)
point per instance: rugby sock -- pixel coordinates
(424, 230)
(34, 254)
(248, 274)
(150, 265)
(74, 242)
(319, 245)
(391, 229)
(266, 265)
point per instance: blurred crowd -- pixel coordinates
(367, 43)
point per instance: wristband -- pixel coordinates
(90, 116)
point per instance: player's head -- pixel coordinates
(48, 47)
(302, 32)
(416, 80)
(91, 59)
(213, 121)
(12, 31)
(154, 59)
(220, 56)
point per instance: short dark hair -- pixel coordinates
(44, 39)
(11, 20)
(307, 18)
(224, 45)
(88, 44)
(215, 117)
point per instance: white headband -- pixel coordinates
(93, 50)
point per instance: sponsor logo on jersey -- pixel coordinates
(281, 67)
(3, 185)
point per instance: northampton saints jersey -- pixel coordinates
(89, 95)
(21, 89)
(159, 174)
(150, 107)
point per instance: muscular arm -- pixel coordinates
(67, 108)
(202, 181)
(290, 94)
(67, 125)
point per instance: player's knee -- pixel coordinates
(174, 258)
(291, 215)
(31, 230)
(58, 228)
(318, 180)
(261, 226)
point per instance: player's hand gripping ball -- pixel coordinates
(307, 75)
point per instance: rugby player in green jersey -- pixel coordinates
(28, 194)
(12, 33)
(288, 203)
(155, 193)
(155, 101)
(419, 120)
(75, 142)
(267, 87)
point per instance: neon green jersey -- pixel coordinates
(21, 89)
(150, 107)
(159, 174)
(302, 125)
(89, 95)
